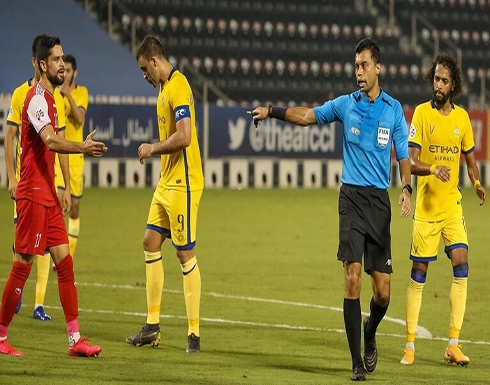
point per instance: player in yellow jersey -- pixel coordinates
(76, 103)
(173, 210)
(12, 133)
(439, 133)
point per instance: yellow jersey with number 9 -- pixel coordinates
(181, 170)
(441, 140)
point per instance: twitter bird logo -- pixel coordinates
(236, 131)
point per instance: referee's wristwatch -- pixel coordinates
(409, 189)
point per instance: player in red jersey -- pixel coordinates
(40, 221)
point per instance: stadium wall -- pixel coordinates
(273, 154)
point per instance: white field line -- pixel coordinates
(421, 331)
(259, 324)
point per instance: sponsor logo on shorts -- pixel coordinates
(18, 290)
(388, 262)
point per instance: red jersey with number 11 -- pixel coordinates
(37, 162)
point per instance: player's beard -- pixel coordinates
(56, 79)
(441, 99)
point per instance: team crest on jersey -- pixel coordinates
(456, 131)
(39, 114)
(413, 131)
(383, 136)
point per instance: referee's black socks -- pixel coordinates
(352, 321)
(377, 314)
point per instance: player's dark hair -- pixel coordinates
(35, 43)
(451, 64)
(71, 59)
(46, 43)
(150, 47)
(371, 46)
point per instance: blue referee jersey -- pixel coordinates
(369, 129)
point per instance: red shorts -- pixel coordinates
(38, 227)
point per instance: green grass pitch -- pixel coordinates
(271, 294)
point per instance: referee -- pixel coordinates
(372, 121)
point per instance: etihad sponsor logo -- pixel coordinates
(438, 149)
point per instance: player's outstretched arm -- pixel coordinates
(423, 169)
(300, 116)
(474, 175)
(176, 142)
(59, 144)
(10, 132)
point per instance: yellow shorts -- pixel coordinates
(15, 213)
(426, 237)
(174, 213)
(76, 175)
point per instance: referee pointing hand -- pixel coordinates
(372, 121)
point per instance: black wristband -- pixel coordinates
(277, 112)
(408, 187)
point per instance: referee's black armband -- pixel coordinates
(277, 112)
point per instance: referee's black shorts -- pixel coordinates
(364, 230)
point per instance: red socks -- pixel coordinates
(67, 289)
(12, 293)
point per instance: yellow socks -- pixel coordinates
(192, 294)
(414, 302)
(43, 265)
(73, 231)
(154, 285)
(457, 297)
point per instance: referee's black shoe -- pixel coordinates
(370, 351)
(359, 373)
